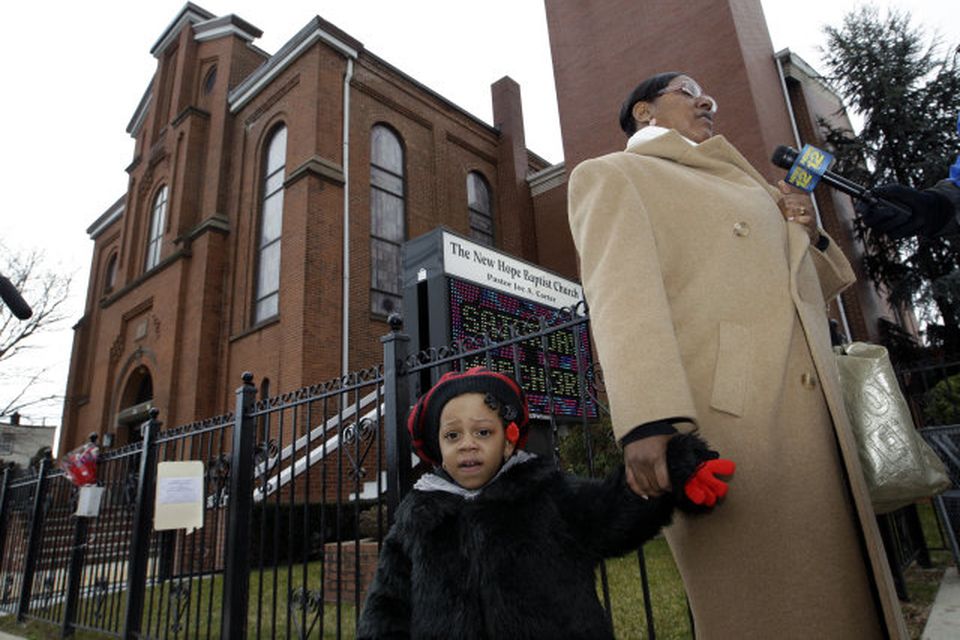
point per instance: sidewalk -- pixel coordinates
(944, 620)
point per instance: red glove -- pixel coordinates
(703, 488)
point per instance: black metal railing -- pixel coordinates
(932, 391)
(299, 490)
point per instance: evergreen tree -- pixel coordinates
(908, 93)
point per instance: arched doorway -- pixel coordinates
(135, 404)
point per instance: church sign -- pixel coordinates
(456, 289)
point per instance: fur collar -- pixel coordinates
(438, 482)
(424, 509)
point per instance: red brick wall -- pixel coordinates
(557, 252)
(603, 48)
(343, 576)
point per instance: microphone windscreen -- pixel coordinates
(784, 157)
(14, 301)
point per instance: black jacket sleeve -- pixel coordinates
(951, 192)
(610, 520)
(655, 428)
(386, 611)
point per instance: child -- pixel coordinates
(497, 543)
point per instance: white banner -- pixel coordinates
(489, 268)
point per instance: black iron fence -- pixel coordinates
(299, 491)
(932, 390)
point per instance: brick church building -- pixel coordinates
(269, 195)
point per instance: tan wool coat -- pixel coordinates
(706, 305)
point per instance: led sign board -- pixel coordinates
(468, 291)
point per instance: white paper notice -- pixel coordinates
(179, 490)
(88, 501)
(179, 498)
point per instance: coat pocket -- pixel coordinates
(731, 374)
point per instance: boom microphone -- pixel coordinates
(13, 299)
(784, 157)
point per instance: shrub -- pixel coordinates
(575, 455)
(941, 405)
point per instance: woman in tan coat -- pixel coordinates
(707, 292)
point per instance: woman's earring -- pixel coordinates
(652, 122)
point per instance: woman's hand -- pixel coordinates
(796, 207)
(646, 466)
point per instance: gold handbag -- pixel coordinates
(899, 466)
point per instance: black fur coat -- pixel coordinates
(517, 560)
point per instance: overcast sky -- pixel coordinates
(75, 72)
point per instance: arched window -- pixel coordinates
(267, 296)
(387, 219)
(479, 209)
(210, 80)
(110, 273)
(155, 236)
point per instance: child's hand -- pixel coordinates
(703, 488)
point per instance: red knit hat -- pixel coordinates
(424, 419)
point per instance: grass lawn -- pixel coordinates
(670, 618)
(671, 621)
(269, 600)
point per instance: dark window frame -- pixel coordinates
(158, 220)
(110, 272)
(476, 211)
(266, 296)
(388, 195)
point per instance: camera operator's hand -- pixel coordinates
(917, 212)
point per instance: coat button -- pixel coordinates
(808, 380)
(741, 229)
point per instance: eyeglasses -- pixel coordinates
(691, 89)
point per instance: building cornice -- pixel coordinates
(183, 252)
(107, 218)
(217, 223)
(190, 14)
(140, 113)
(229, 25)
(318, 167)
(789, 58)
(547, 179)
(187, 112)
(317, 30)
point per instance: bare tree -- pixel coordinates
(46, 290)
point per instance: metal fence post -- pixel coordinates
(33, 544)
(3, 512)
(142, 525)
(77, 553)
(236, 577)
(396, 395)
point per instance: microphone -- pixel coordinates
(784, 157)
(13, 299)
